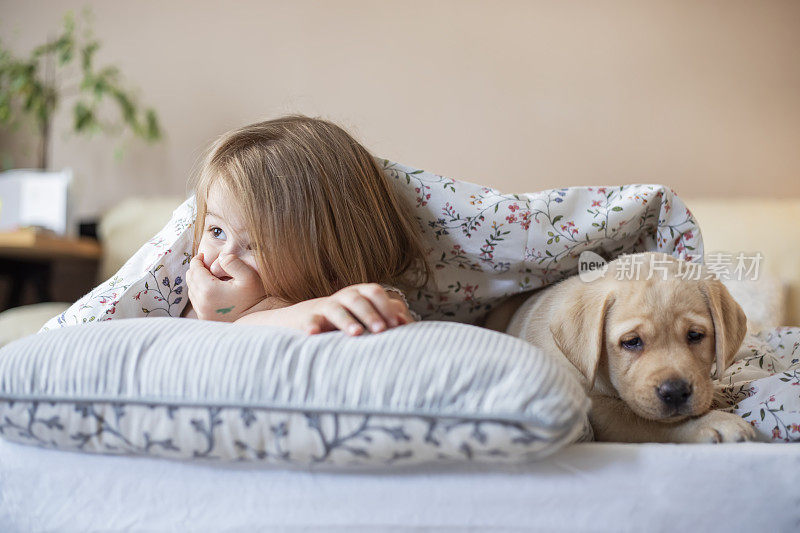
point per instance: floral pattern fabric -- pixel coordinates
(280, 438)
(483, 246)
(763, 385)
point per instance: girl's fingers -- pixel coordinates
(341, 318)
(403, 313)
(238, 269)
(200, 273)
(197, 261)
(399, 310)
(363, 310)
(380, 301)
(315, 324)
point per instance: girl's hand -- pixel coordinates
(223, 300)
(355, 308)
(350, 310)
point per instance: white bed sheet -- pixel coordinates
(585, 487)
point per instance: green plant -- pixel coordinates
(36, 86)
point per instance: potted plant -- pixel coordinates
(35, 87)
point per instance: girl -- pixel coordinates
(297, 226)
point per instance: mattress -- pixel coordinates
(584, 487)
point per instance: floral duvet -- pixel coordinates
(763, 385)
(484, 246)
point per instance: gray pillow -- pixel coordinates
(190, 389)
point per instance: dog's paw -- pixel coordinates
(717, 426)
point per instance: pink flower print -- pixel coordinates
(513, 207)
(596, 203)
(688, 234)
(469, 292)
(776, 433)
(525, 219)
(601, 190)
(772, 398)
(794, 428)
(511, 219)
(570, 228)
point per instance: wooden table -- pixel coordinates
(27, 254)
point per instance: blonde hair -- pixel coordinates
(320, 212)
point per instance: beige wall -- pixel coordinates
(703, 96)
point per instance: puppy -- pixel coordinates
(644, 347)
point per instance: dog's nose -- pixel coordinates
(674, 392)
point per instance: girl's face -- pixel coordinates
(224, 232)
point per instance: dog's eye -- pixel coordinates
(632, 344)
(695, 336)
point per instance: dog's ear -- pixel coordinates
(730, 323)
(578, 326)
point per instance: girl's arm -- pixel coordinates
(349, 310)
(293, 316)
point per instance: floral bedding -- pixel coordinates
(485, 246)
(763, 385)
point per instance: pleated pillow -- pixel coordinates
(190, 389)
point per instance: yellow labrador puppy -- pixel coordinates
(645, 347)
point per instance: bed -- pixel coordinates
(583, 487)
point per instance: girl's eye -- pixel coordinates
(217, 232)
(694, 336)
(633, 344)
